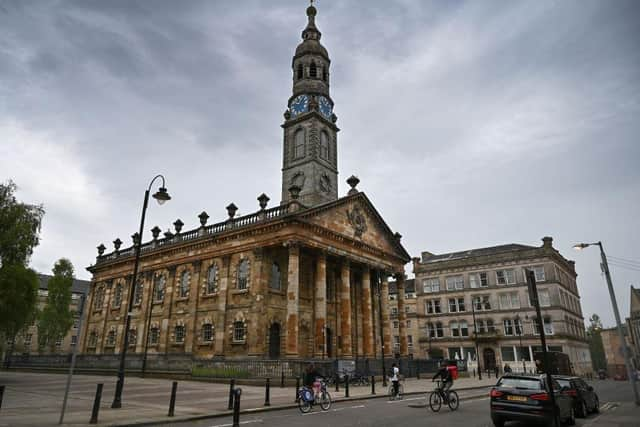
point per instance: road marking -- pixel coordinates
(241, 422)
(334, 410)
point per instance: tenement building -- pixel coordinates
(27, 341)
(489, 285)
(633, 324)
(410, 315)
(298, 280)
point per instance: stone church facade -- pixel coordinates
(304, 279)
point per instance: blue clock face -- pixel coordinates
(325, 106)
(299, 105)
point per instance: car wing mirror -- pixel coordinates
(589, 388)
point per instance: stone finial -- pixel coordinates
(203, 218)
(287, 115)
(294, 192)
(135, 237)
(155, 232)
(231, 210)
(353, 181)
(178, 225)
(263, 199)
(398, 236)
(547, 241)
(168, 234)
(334, 118)
(101, 248)
(117, 243)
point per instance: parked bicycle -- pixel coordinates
(307, 398)
(359, 380)
(438, 397)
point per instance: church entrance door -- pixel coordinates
(274, 341)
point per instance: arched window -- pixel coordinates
(137, 293)
(159, 284)
(275, 282)
(184, 284)
(300, 72)
(324, 145)
(154, 335)
(133, 336)
(212, 279)
(313, 70)
(243, 274)
(239, 331)
(207, 332)
(299, 144)
(111, 338)
(93, 339)
(117, 296)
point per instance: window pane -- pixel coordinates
(507, 354)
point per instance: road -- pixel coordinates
(408, 412)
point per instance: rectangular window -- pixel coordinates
(408, 324)
(410, 340)
(239, 331)
(548, 326)
(207, 332)
(461, 306)
(394, 310)
(396, 324)
(396, 341)
(508, 327)
(431, 285)
(544, 298)
(484, 280)
(464, 328)
(509, 301)
(517, 323)
(505, 277)
(179, 331)
(455, 331)
(507, 354)
(539, 272)
(74, 340)
(455, 282)
(433, 306)
(453, 306)
(474, 281)
(482, 303)
(523, 353)
(439, 330)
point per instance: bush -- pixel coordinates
(201, 371)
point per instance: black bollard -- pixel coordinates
(417, 373)
(266, 392)
(373, 384)
(172, 401)
(236, 408)
(496, 372)
(96, 405)
(1, 394)
(346, 386)
(231, 388)
(282, 379)
(297, 388)
(337, 382)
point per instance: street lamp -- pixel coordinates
(379, 292)
(475, 336)
(605, 269)
(161, 196)
(519, 328)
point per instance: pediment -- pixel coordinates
(355, 218)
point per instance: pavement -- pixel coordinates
(35, 399)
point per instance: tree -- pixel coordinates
(56, 318)
(19, 234)
(598, 359)
(19, 227)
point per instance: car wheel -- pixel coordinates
(596, 406)
(571, 421)
(582, 409)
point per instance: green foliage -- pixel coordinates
(18, 297)
(56, 318)
(19, 227)
(598, 358)
(200, 371)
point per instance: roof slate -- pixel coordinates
(78, 286)
(471, 253)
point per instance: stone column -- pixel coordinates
(320, 308)
(368, 338)
(402, 315)
(293, 300)
(257, 321)
(386, 325)
(345, 309)
(191, 344)
(220, 325)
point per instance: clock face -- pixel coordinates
(325, 106)
(299, 105)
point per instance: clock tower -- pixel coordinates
(310, 159)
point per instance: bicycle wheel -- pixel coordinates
(325, 401)
(454, 401)
(435, 401)
(400, 391)
(391, 393)
(304, 405)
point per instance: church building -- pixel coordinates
(307, 278)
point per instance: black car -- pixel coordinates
(585, 399)
(526, 398)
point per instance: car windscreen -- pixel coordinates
(564, 383)
(520, 383)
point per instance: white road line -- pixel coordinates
(241, 422)
(335, 410)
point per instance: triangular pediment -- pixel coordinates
(356, 218)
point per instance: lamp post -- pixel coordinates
(605, 269)
(161, 196)
(519, 328)
(379, 292)
(475, 336)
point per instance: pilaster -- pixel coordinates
(345, 309)
(386, 325)
(220, 326)
(367, 325)
(293, 300)
(402, 315)
(320, 308)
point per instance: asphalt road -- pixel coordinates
(407, 412)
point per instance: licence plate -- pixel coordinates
(517, 398)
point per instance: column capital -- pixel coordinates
(292, 244)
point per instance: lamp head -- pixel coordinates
(580, 246)
(161, 195)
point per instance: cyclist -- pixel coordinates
(445, 373)
(310, 380)
(395, 379)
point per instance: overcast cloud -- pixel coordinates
(470, 124)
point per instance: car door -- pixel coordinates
(562, 400)
(587, 393)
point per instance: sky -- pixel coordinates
(469, 124)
